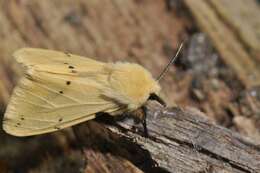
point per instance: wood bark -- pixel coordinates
(180, 140)
(230, 25)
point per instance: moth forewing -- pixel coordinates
(61, 90)
(49, 99)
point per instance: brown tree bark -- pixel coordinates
(180, 140)
(231, 27)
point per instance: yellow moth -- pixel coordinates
(60, 90)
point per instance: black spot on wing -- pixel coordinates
(67, 54)
(68, 82)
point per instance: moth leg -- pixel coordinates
(144, 122)
(139, 116)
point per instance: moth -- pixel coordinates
(60, 90)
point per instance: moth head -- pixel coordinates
(131, 84)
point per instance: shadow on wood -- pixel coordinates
(179, 141)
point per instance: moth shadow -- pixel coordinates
(60, 151)
(95, 136)
(27, 153)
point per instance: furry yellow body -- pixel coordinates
(60, 90)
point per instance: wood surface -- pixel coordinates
(232, 26)
(180, 140)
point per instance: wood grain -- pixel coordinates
(227, 23)
(180, 140)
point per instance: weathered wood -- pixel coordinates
(243, 18)
(214, 20)
(180, 140)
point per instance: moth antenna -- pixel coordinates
(170, 63)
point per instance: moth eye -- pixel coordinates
(61, 92)
(71, 67)
(68, 82)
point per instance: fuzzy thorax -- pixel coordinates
(130, 84)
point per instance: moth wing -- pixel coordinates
(47, 100)
(55, 61)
